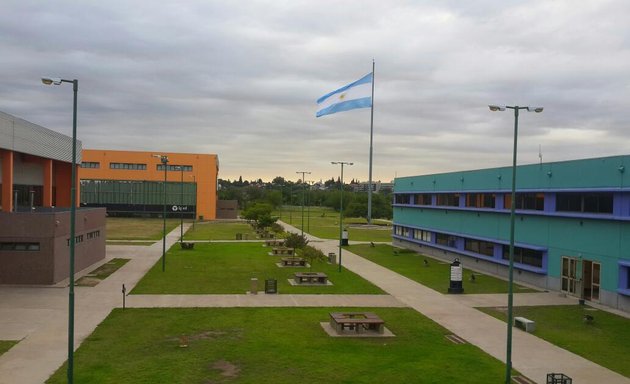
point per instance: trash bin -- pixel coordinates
(271, 286)
(253, 289)
(344, 237)
(558, 378)
(332, 258)
(239, 236)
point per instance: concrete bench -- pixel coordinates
(526, 325)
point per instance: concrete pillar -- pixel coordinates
(7, 180)
(47, 198)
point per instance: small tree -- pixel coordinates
(312, 255)
(296, 241)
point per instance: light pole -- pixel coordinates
(195, 210)
(510, 320)
(342, 163)
(73, 211)
(164, 161)
(303, 173)
(181, 207)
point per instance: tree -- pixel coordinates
(312, 255)
(296, 241)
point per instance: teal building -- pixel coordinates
(572, 231)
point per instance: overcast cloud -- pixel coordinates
(240, 79)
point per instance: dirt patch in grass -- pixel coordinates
(101, 273)
(226, 368)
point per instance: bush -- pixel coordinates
(296, 241)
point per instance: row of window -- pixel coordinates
(136, 166)
(79, 238)
(589, 202)
(524, 256)
(185, 168)
(18, 246)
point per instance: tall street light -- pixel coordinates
(164, 161)
(508, 359)
(181, 206)
(73, 211)
(342, 163)
(303, 173)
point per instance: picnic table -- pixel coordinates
(293, 262)
(358, 322)
(310, 278)
(282, 251)
(274, 243)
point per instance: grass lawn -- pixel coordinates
(131, 228)
(136, 242)
(228, 268)
(101, 273)
(435, 276)
(218, 230)
(5, 345)
(324, 223)
(605, 340)
(271, 345)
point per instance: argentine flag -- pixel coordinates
(352, 96)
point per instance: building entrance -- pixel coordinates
(581, 278)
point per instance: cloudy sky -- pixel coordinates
(240, 79)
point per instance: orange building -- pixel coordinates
(131, 183)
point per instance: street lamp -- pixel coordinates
(342, 163)
(303, 173)
(508, 359)
(73, 210)
(164, 161)
(181, 206)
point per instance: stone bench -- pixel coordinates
(526, 325)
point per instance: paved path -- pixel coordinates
(38, 316)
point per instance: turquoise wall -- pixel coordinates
(587, 173)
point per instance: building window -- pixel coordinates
(595, 202)
(524, 256)
(19, 246)
(526, 201)
(480, 247)
(174, 167)
(448, 199)
(77, 239)
(419, 234)
(480, 200)
(446, 240)
(94, 234)
(401, 198)
(90, 164)
(129, 166)
(422, 199)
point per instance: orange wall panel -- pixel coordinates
(204, 169)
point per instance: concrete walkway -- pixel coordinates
(37, 316)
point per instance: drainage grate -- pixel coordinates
(456, 339)
(522, 380)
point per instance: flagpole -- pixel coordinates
(369, 212)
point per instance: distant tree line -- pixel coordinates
(281, 192)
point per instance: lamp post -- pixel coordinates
(164, 161)
(73, 210)
(303, 173)
(181, 206)
(510, 320)
(342, 163)
(195, 210)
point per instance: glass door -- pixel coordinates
(569, 275)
